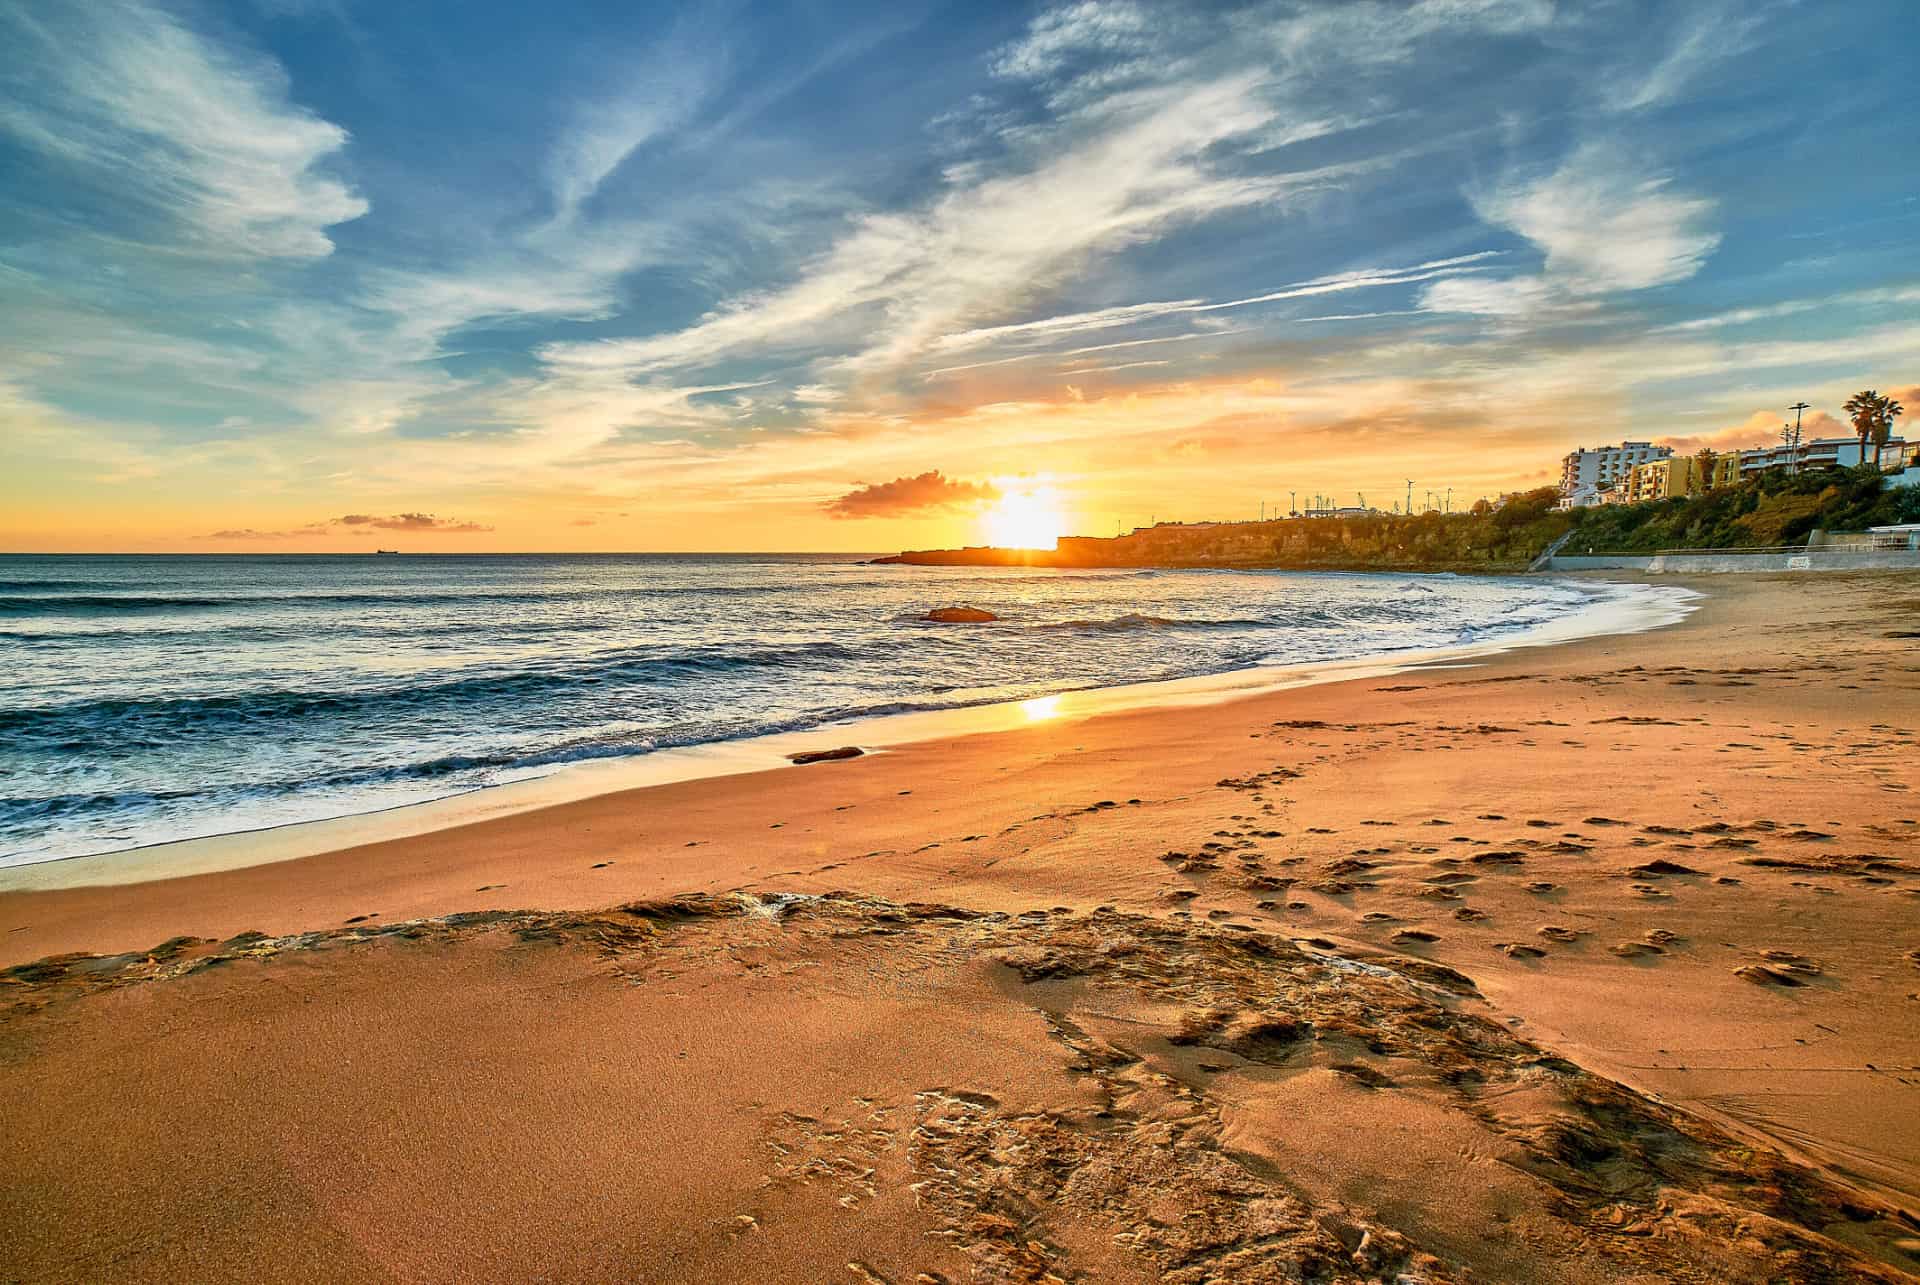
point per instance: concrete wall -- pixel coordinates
(1712, 563)
(1596, 562)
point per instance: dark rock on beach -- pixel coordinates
(826, 756)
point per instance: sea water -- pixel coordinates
(152, 698)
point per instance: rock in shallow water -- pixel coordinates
(960, 616)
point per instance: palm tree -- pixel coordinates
(1872, 416)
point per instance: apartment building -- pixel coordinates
(1681, 475)
(1586, 474)
(1826, 452)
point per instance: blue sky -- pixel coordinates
(619, 275)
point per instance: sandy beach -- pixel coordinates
(1594, 962)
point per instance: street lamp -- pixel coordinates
(1793, 447)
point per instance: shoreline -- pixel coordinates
(1658, 606)
(1590, 963)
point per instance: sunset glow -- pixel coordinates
(1025, 519)
(696, 301)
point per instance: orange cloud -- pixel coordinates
(1762, 428)
(929, 492)
(249, 533)
(408, 522)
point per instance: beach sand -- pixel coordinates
(1598, 962)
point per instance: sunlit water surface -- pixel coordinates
(157, 698)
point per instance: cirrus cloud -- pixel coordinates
(203, 135)
(1604, 225)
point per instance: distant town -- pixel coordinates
(1636, 472)
(1838, 501)
(1633, 473)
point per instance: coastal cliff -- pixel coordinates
(1493, 540)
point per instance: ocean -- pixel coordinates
(154, 698)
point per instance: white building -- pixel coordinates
(1584, 473)
(1826, 452)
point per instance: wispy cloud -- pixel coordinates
(253, 533)
(408, 522)
(1103, 30)
(658, 97)
(414, 523)
(1699, 37)
(983, 249)
(1793, 307)
(1131, 314)
(202, 135)
(1603, 223)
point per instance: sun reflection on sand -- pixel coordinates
(1041, 708)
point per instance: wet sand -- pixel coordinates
(1591, 963)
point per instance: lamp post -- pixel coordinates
(1793, 447)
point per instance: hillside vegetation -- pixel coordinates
(1770, 509)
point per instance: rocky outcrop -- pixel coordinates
(959, 616)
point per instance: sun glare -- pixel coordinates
(1039, 709)
(1024, 518)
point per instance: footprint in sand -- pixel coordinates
(1789, 961)
(1761, 975)
(1660, 867)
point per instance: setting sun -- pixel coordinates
(1024, 518)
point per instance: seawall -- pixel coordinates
(1814, 559)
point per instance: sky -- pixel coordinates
(330, 275)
